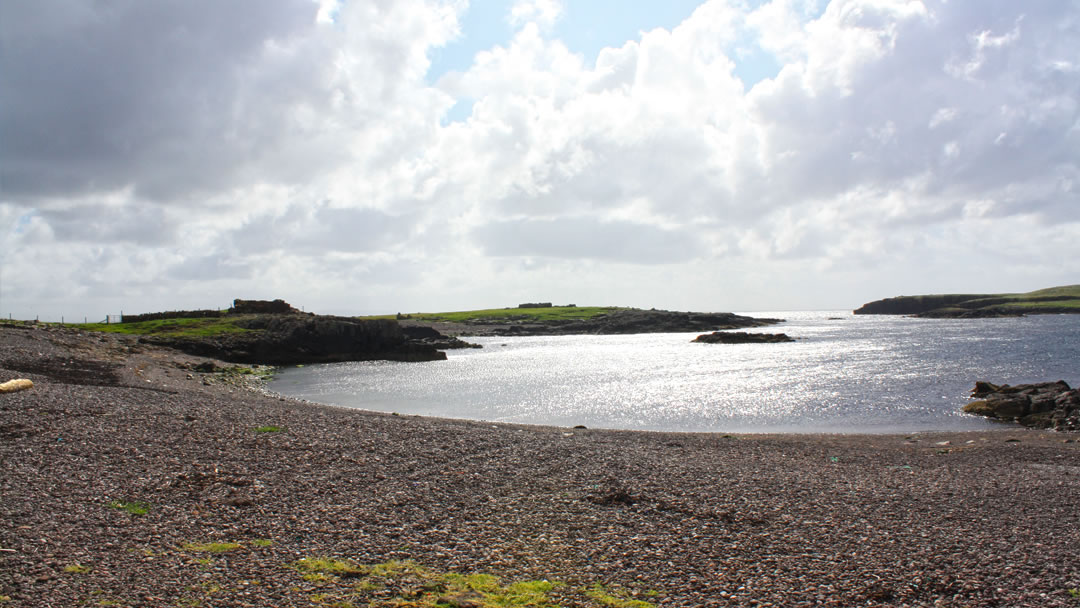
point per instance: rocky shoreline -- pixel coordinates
(619, 321)
(130, 478)
(1046, 405)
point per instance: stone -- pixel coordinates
(1042, 405)
(18, 384)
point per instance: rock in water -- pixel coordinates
(1043, 405)
(741, 337)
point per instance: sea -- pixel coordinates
(844, 374)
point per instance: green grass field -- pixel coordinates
(1065, 299)
(1067, 296)
(554, 313)
(201, 327)
(170, 327)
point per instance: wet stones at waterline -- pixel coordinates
(1043, 405)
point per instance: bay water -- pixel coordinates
(843, 374)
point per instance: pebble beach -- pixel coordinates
(129, 478)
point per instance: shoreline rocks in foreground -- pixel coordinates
(1046, 405)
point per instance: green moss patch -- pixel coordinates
(135, 508)
(613, 598)
(269, 429)
(397, 584)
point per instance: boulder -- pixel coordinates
(1001, 406)
(1040, 405)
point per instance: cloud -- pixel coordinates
(186, 150)
(587, 238)
(180, 99)
(542, 12)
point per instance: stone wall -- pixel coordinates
(172, 314)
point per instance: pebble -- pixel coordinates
(797, 531)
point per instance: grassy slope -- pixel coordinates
(170, 327)
(555, 313)
(1072, 292)
(1054, 299)
(1067, 296)
(221, 325)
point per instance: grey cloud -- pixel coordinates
(146, 225)
(668, 171)
(214, 266)
(320, 229)
(102, 95)
(619, 241)
(1013, 119)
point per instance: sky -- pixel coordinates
(379, 156)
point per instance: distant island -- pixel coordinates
(1055, 300)
(547, 320)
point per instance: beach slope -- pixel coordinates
(128, 478)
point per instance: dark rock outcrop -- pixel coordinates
(1044, 405)
(288, 339)
(741, 337)
(422, 335)
(913, 305)
(621, 321)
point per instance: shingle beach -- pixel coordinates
(129, 479)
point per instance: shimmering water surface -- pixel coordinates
(845, 373)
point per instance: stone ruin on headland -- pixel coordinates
(239, 307)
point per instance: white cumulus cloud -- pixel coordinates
(179, 154)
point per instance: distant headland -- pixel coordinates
(1055, 300)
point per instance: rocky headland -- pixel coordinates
(1045, 405)
(274, 333)
(1055, 300)
(273, 339)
